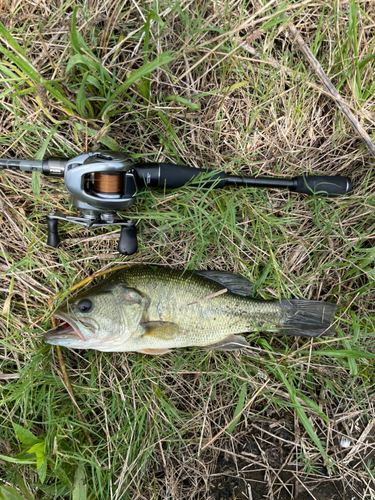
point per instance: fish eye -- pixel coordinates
(84, 305)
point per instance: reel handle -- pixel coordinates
(53, 238)
(127, 243)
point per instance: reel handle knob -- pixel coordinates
(53, 239)
(127, 244)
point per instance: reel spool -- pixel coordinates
(108, 183)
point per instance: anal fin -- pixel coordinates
(154, 352)
(230, 343)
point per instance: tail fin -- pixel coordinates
(308, 318)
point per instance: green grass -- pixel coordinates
(169, 82)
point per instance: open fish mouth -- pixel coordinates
(67, 329)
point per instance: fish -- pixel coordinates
(153, 309)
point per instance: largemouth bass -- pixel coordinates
(152, 309)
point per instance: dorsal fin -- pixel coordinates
(235, 283)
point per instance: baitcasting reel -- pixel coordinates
(106, 182)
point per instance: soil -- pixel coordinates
(266, 469)
(259, 462)
(260, 485)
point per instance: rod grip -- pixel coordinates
(53, 239)
(127, 243)
(171, 176)
(175, 176)
(323, 185)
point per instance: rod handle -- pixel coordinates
(53, 239)
(127, 243)
(171, 176)
(322, 185)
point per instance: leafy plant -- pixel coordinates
(32, 445)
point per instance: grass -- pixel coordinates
(172, 82)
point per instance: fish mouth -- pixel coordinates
(67, 329)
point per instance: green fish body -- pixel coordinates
(153, 309)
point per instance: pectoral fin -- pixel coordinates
(162, 330)
(154, 352)
(230, 343)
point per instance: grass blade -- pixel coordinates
(239, 407)
(139, 73)
(81, 98)
(302, 415)
(11, 41)
(9, 493)
(79, 487)
(76, 39)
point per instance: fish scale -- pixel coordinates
(153, 309)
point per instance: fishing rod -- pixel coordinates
(105, 182)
